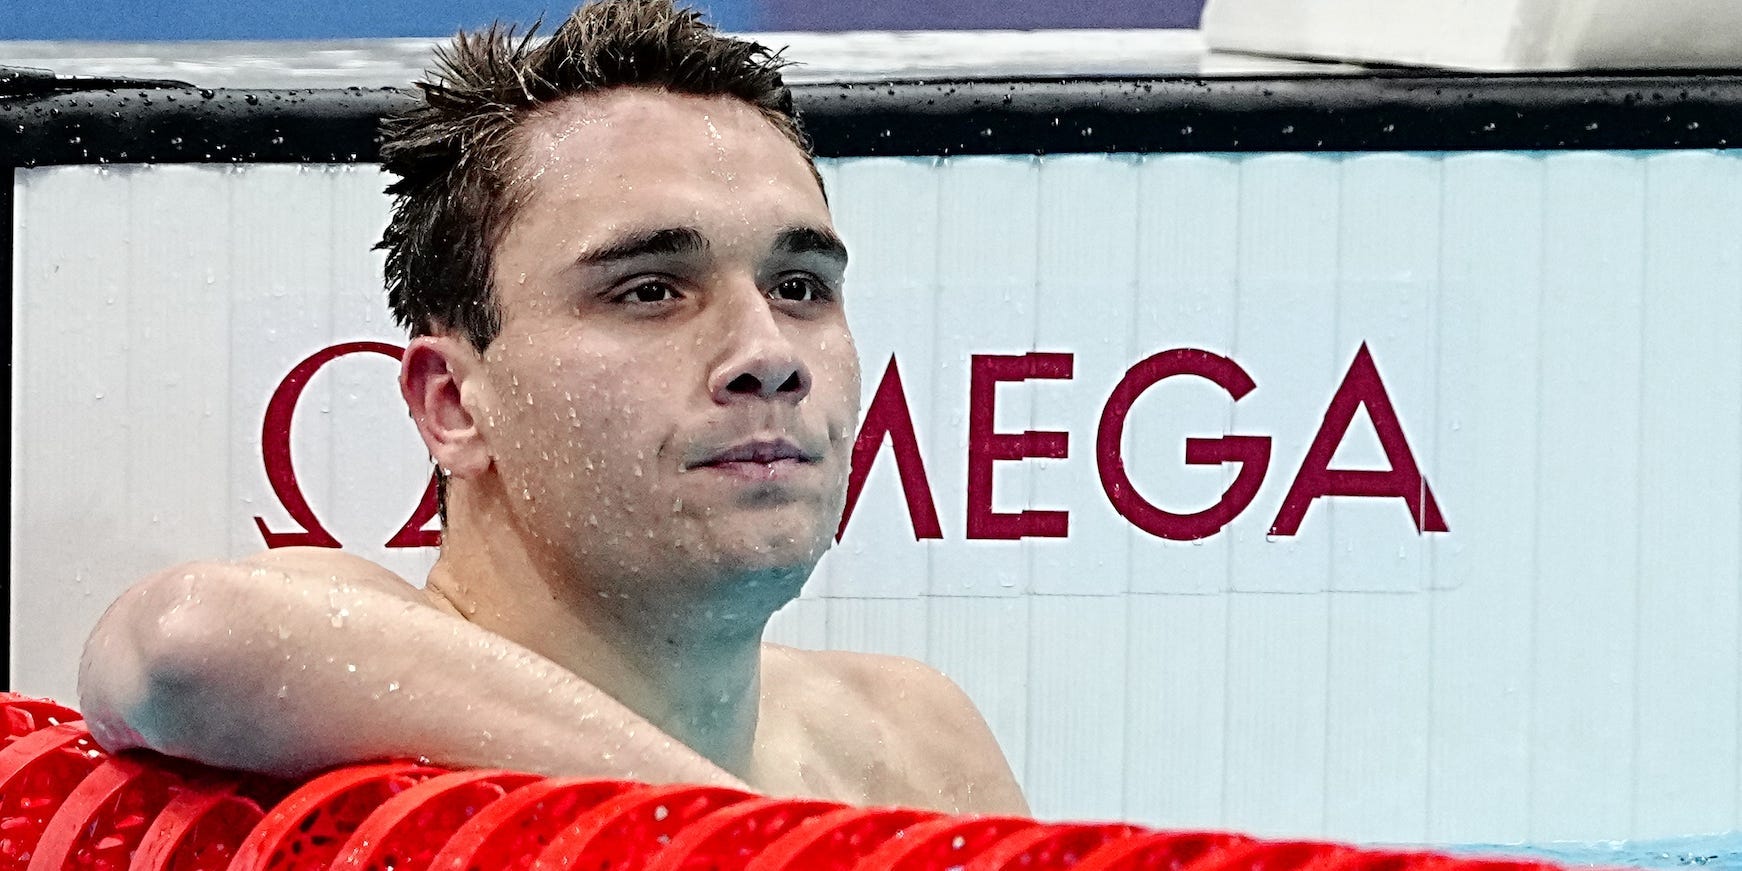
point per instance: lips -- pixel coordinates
(765, 451)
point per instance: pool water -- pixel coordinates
(1716, 852)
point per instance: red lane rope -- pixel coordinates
(20, 716)
(37, 773)
(306, 831)
(946, 843)
(837, 840)
(199, 830)
(65, 805)
(510, 833)
(1044, 848)
(407, 831)
(623, 833)
(728, 839)
(102, 821)
(1161, 851)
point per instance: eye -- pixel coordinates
(800, 288)
(647, 293)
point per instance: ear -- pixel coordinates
(433, 378)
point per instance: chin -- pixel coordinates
(786, 556)
(755, 585)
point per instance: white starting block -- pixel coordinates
(1490, 35)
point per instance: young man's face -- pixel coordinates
(674, 392)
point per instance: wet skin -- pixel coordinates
(644, 465)
(650, 458)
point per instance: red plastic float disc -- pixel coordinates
(406, 833)
(624, 833)
(103, 819)
(837, 840)
(509, 834)
(1044, 848)
(199, 830)
(1161, 851)
(1387, 860)
(1274, 856)
(728, 839)
(22, 715)
(951, 842)
(305, 831)
(37, 772)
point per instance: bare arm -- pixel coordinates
(288, 663)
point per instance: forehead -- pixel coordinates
(632, 154)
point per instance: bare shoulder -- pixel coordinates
(325, 561)
(916, 736)
(338, 567)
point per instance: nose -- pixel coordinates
(758, 360)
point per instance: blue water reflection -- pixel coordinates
(1715, 852)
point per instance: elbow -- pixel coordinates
(154, 658)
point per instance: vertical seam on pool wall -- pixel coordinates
(1533, 716)
(8, 178)
(1639, 458)
(1437, 367)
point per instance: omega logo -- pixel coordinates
(889, 418)
(281, 472)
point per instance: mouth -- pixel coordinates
(758, 459)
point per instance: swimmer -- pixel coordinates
(631, 365)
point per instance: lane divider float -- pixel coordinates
(67, 805)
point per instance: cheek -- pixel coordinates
(838, 379)
(549, 409)
(608, 424)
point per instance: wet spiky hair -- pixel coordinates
(456, 150)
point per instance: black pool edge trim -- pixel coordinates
(17, 81)
(1374, 112)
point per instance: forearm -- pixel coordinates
(273, 672)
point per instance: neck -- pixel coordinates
(691, 671)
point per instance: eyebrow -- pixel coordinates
(812, 240)
(648, 243)
(688, 240)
